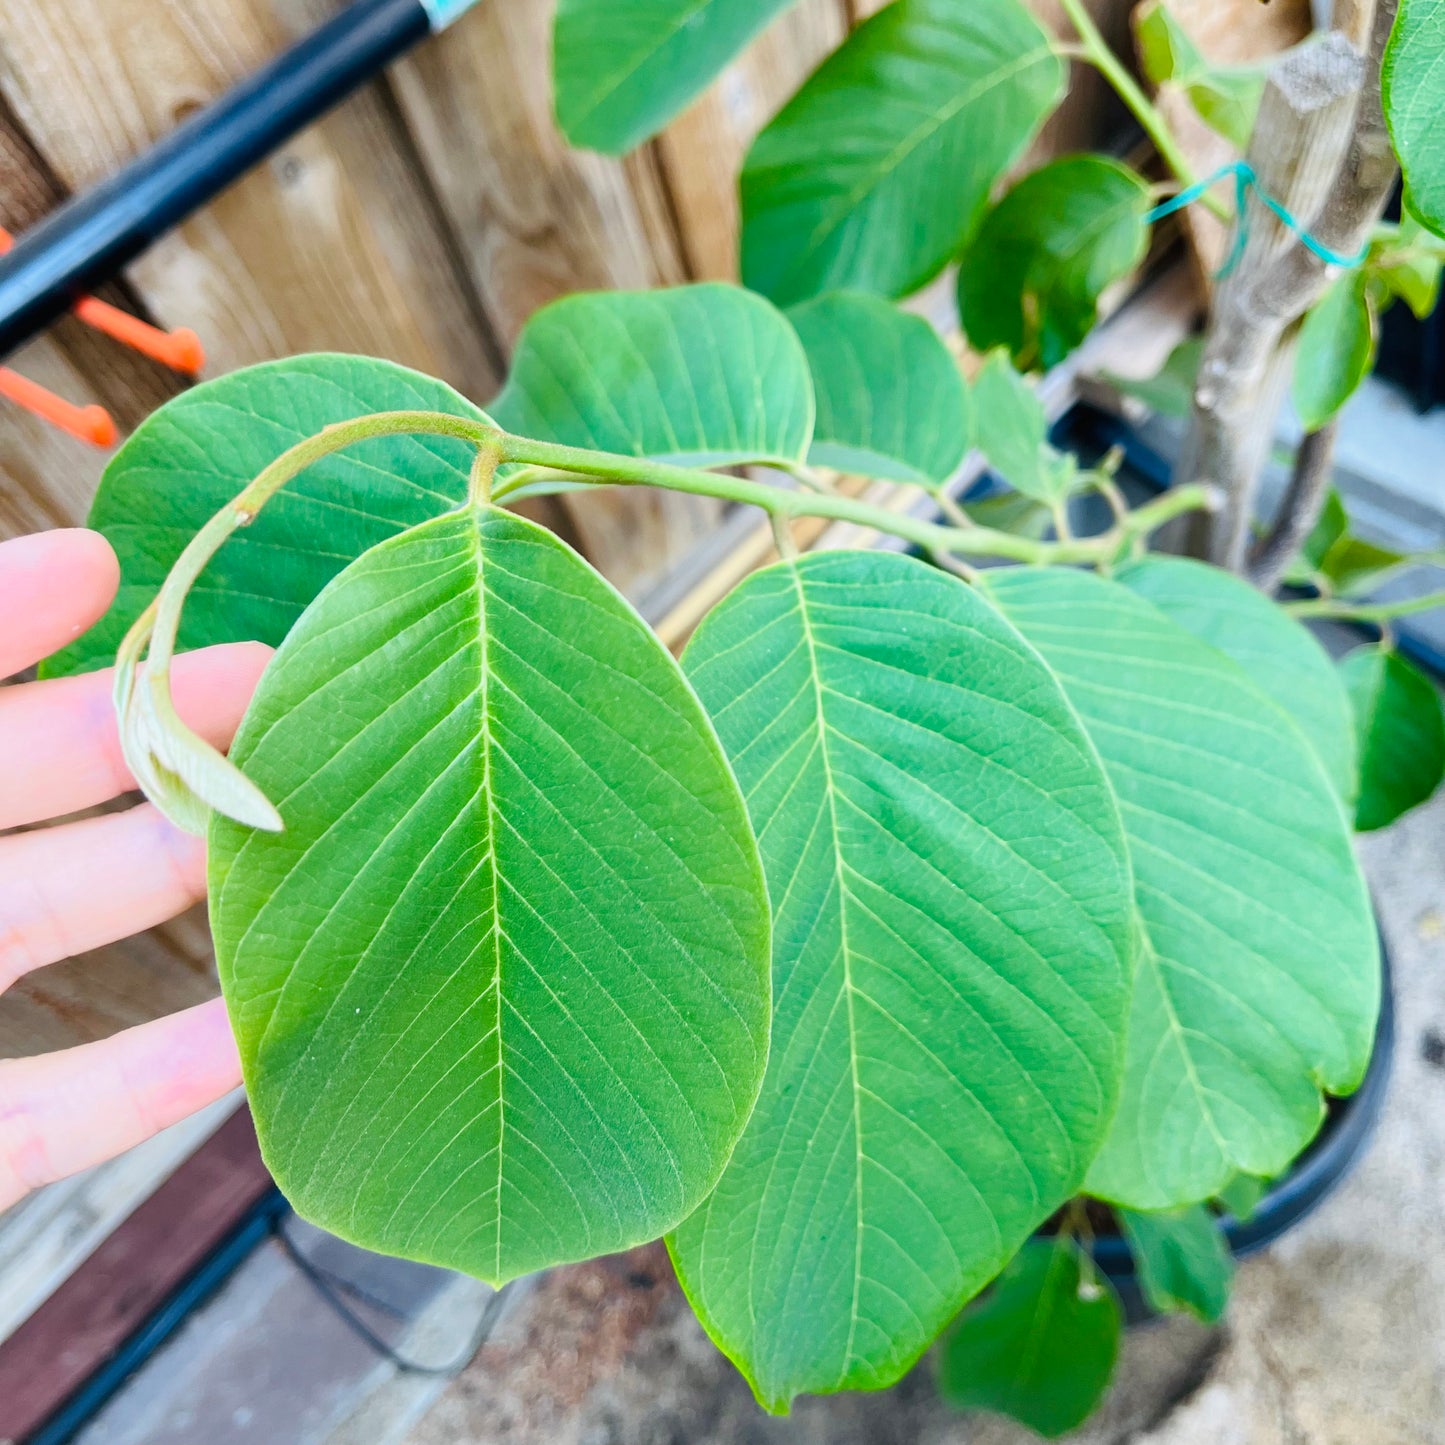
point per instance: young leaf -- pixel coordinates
(951, 959)
(1355, 567)
(1243, 1195)
(1402, 734)
(1408, 265)
(891, 399)
(1414, 96)
(1260, 979)
(699, 375)
(1040, 1347)
(875, 173)
(501, 987)
(1032, 277)
(1336, 350)
(1171, 391)
(1280, 656)
(1012, 433)
(184, 462)
(1182, 1259)
(624, 68)
(1226, 97)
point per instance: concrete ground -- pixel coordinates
(1336, 1336)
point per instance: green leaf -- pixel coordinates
(1280, 656)
(1355, 568)
(1012, 512)
(1040, 1347)
(501, 987)
(1226, 97)
(1032, 278)
(1409, 264)
(875, 173)
(1332, 527)
(703, 376)
(1336, 350)
(1243, 1195)
(1414, 95)
(950, 959)
(1259, 980)
(1011, 431)
(624, 68)
(1183, 1261)
(1402, 734)
(189, 459)
(891, 399)
(1171, 391)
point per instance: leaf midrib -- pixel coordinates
(874, 176)
(840, 883)
(488, 794)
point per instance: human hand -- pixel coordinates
(79, 885)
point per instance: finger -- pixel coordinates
(63, 1112)
(69, 889)
(59, 746)
(53, 585)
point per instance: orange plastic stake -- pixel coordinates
(181, 349)
(91, 424)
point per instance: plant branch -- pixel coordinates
(1300, 509)
(1094, 49)
(1340, 609)
(973, 541)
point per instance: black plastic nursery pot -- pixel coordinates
(1315, 1175)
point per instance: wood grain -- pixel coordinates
(324, 246)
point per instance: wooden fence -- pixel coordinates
(424, 220)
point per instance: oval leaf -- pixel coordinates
(1402, 734)
(1041, 1346)
(951, 963)
(699, 375)
(1260, 980)
(1414, 95)
(189, 459)
(1336, 351)
(875, 173)
(891, 398)
(1012, 433)
(501, 987)
(1032, 278)
(624, 68)
(1280, 656)
(1183, 1260)
(1226, 97)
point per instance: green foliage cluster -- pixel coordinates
(915, 901)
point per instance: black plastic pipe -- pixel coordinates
(90, 238)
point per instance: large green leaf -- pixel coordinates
(1336, 350)
(1183, 1260)
(1032, 278)
(1414, 93)
(190, 458)
(624, 68)
(875, 173)
(891, 399)
(699, 375)
(1010, 429)
(501, 985)
(1040, 1347)
(951, 964)
(1402, 734)
(1225, 96)
(1281, 656)
(1259, 982)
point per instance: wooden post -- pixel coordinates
(1300, 142)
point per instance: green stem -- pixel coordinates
(1096, 50)
(778, 501)
(1340, 609)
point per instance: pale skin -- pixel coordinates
(75, 886)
